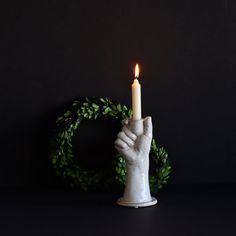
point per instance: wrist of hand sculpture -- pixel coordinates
(134, 142)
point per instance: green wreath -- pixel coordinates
(68, 167)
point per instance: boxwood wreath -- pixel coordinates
(68, 167)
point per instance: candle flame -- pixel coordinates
(136, 71)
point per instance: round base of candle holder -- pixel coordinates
(122, 202)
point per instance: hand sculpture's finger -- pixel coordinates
(125, 122)
(119, 144)
(147, 126)
(129, 133)
(125, 138)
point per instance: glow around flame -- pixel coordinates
(136, 71)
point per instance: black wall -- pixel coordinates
(53, 52)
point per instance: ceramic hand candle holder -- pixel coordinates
(133, 143)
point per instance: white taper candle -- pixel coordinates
(136, 96)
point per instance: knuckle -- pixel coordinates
(120, 134)
(124, 145)
(149, 135)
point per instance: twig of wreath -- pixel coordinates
(68, 167)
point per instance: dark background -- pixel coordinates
(53, 52)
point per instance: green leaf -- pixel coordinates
(95, 106)
(119, 107)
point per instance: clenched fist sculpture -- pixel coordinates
(133, 143)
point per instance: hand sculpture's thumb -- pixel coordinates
(147, 126)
